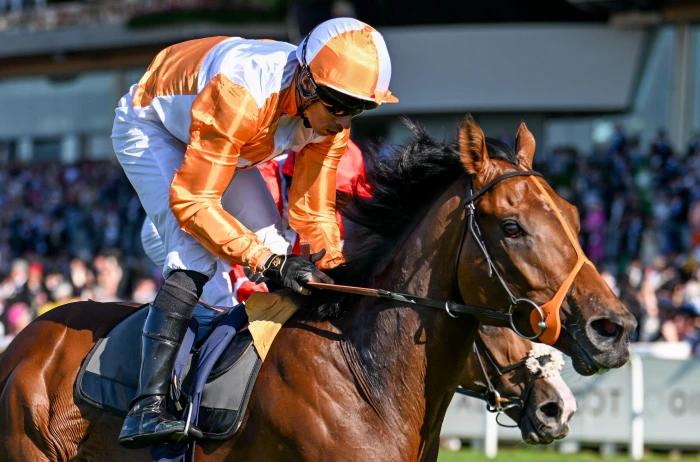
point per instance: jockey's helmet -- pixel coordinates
(346, 65)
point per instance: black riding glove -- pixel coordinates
(294, 271)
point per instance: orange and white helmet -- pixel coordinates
(350, 57)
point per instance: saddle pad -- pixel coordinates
(267, 313)
(108, 377)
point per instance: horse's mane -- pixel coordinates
(403, 185)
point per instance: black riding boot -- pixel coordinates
(148, 421)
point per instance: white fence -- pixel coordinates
(652, 401)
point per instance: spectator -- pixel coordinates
(640, 209)
(144, 291)
(109, 276)
(18, 317)
(55, 227)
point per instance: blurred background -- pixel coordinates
(611, 90)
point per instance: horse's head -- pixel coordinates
(522, 379)
(530, 236)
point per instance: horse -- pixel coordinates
(519, 379)
(515, 377)
(371, 380)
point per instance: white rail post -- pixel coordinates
(636, 443)
(490, 435)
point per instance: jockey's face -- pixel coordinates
(323, 122)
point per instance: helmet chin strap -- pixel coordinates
(305, 103)
(301, 114)
(306, 97)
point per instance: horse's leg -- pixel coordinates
(431, 454)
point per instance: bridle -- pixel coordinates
(483, 314)
(472, 226)
(534, 365)
(494, 401)
(544, 319)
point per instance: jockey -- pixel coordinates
(230, 285)
(206, 110)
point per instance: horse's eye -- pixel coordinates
(511, 228)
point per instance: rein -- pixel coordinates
(485, 315)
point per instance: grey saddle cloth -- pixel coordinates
(108, 377)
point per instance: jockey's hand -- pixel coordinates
(294, 271)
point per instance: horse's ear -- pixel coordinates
(472, 146)
(525, 146)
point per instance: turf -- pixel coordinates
(535, 455)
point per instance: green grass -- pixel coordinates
(538, 455)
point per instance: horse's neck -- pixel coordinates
(413, 356)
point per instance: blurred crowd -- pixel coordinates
(72, 232)
(640, 223)
(67, 233)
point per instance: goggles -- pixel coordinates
(339, 104)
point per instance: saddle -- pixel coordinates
(108, 377)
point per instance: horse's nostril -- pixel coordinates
(551, 410)
(606, 328)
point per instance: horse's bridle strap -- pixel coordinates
(483, 314)
(552, 307)
(494, 401)
(487, 187)
(544, 319)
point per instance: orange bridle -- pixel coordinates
(545, 319)
(551, 308)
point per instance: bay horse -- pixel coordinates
(499, 372)
(514, 377)
(371, 381)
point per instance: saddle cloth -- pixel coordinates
(108, 378)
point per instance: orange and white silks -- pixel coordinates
(232, 103)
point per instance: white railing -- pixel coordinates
(654, 400)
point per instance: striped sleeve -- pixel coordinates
(312, 197)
